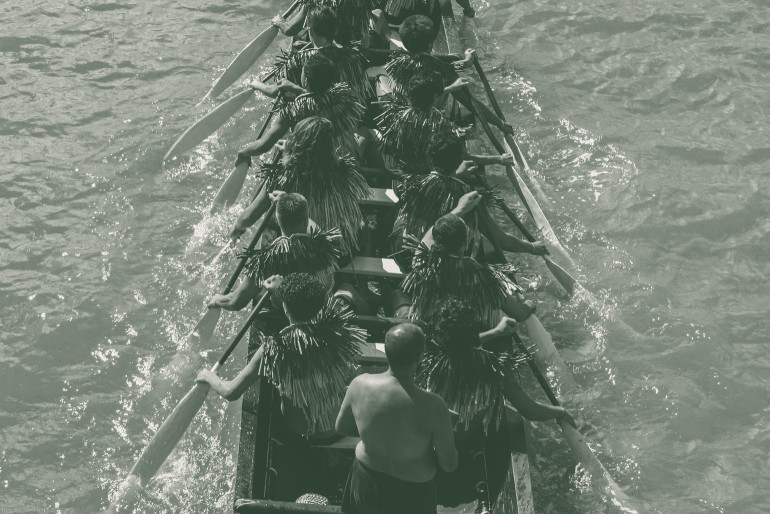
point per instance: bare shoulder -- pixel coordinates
(435, 403)
(360, 381)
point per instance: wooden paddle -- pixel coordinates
(577, 443)
(231, 188)
(171, 431)
(205, 327)
(247, 57)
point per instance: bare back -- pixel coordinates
(398, 424)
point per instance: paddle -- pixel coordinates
(247, 57)
(205, 327)
(209, 124)
(171, 431)
(577, 442)
(231, 188)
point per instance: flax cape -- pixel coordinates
(436, 274)
(394, 7)
(405, 133)
(332, 194)
(315, 253)
(470, 380)
(404, 65)
(354, 14)
(338, 104)
(425, 198)
(312, 363)
(350, 63)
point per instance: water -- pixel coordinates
(644, 124)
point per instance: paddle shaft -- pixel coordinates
(242, 332)
(252, 245)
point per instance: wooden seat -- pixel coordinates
(372, 267)
(372, 353)
(381, 198)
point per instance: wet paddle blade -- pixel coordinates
(565, 279)
(201, 334)
(228, 193)
(209, 124)
(170, 433)
(243, 61)
(599, 474)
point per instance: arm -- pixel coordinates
(483, 160)
(237, 299)
(511, 243)
(505, 327)
(465, 204)
(270, 90)
(276, 131)
(346, 422)
(530, 409)
(443, 437)
(251, 214)
(231, 390)
(291, 27)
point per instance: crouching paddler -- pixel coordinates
(312, 167)
(310, 361)
(406, 434)
(301, 245)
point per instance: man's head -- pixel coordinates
(319, 74)
(454, 325)
(404, 345)
(302, 295)
(450, 234)
(446, 152)
(417, 33)
(323, 25)
(424, 88)
(291, 213)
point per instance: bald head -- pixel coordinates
(404, 345)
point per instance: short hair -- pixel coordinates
(320, 73)
(303, 295)
(323, 21)
(446, 151)
(417, 33)
(450, 234)
(423, 88)
(454, 325)
(404, 345)
(291, 210)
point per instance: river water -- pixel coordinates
(645, 127)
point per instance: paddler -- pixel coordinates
(474, 370)
(321, 94)
(418, 34)
(310, 361)
(440, 268)
(425, 198)
(406, 434)
(301, 246)
(312, 167)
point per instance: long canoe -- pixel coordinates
(275, 467)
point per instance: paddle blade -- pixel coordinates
(228, 193)
(209, 124)
(243, 61)
(170, 433)
(599, 474)
(201, 334)
(565, 279)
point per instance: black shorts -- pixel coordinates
(371, 492)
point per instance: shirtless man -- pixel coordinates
(405, 432)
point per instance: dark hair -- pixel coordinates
(404, 344)
(291, 211)
(450, 234)
(320, 73)
(423, 88)
(455, 325)
(446, 151)
(303, 295)
(417, 33)
(323, 21)
(310, 146)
